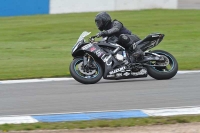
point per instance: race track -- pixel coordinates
(71, 96)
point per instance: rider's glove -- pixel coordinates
(102, 33)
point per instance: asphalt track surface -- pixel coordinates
(71, 96)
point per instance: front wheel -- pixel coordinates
(86, 75)
(166, 70)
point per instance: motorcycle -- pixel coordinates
(96, 59)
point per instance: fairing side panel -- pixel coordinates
(105, 59)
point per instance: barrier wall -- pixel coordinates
(69, 6)
(23, 7)
(189, 4)
(30, 7)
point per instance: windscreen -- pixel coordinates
(81, 37)
(84, 34)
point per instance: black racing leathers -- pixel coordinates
(115, 30)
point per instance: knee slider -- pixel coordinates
(124, 39)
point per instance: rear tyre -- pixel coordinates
(167, 72)
(91, 76)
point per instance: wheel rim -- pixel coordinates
(170, 65)
(89, 75)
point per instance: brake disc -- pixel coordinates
(80, 68)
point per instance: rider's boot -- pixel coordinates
(136, 52)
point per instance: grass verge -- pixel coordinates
(102, 123)
(40, 46)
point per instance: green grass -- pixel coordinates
(102, 123)
(40, 46)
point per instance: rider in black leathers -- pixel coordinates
(117, 33)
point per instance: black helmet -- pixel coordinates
(102, 20)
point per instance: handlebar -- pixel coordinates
(92, 38)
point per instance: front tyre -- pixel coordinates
(90, 75)
(165, 72)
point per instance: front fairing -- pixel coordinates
(96, 52)
(80, 41)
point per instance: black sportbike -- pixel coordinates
(96, 59)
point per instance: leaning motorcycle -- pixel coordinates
(93, 60)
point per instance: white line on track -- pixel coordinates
(183, 72)
(17, 120)
(34, 80)
(101, 111)
(173, 111)
(33, 118)
(62, 79)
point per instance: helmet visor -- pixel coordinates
(98, 23)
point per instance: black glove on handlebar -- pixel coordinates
(102, 33)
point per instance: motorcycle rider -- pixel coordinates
(117, 33)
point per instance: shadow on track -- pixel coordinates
(103, 81)
(124, 80)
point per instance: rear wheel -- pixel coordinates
(86, 75)
(166, 70)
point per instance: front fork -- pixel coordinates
(87, 62)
